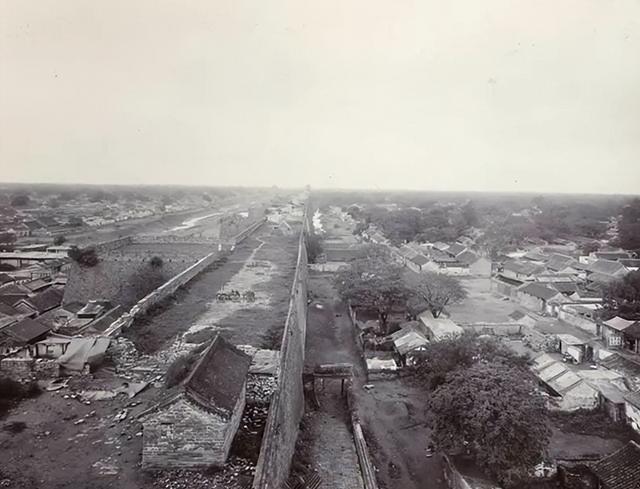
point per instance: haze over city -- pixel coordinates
(530, 96)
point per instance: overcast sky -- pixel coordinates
(536, 95)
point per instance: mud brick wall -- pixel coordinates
(287, 405)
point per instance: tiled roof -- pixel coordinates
(618, 323)
(217, 380)
(419, 260)
(467, 257)
(607, 267)
(558, 262)
(621, 469)
(455, 249)
(539, 291)
(46, 300)
(26, 330)
(523, 268)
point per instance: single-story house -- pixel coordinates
(409, 339)
(522, 271)
(479, 266)
(619, 470)
(455, 249)
(612, 331)
(539, 298)
(417, 263)
(583, 316)
(20, 334)
(572, 346)
(440, 328)
(194, 426)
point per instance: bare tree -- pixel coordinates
(438, 291)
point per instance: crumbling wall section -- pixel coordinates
(287, 406)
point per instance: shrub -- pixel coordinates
(156, 262)
(84, 256)
(58, 240)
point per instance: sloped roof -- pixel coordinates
(539, 291)
(563, 287)
(558, 262)
(409, 341)
(37, 284)
(633, 330)
(455, 249)
(607, 267)
(621, 469)
(600, 278)
(440, 327)
(467, 257)
(630, 262)
(612, 255)
(217, 379)
(523, 268)
(618, 323)
(516, 315)
(5, 279)
(14, 289)
(26, 330)
(8, 310)
(46, 300)
(534, 255)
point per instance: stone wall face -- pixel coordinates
(183, 436)
(287, 405)
(21, 368)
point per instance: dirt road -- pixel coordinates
(393, 412)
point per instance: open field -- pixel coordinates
(481, 305)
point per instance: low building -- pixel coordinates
(194, 426)
(20, 334)
(538, 298)
(478, 266)
(619, 470)
(612, 331)
(418, 263)
(440, 328)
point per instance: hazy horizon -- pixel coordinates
(538, 97)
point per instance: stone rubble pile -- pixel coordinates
(236, 474)
(260, 389)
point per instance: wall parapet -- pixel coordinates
(287, 404)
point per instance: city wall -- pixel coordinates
(173, 284)
(287, 405)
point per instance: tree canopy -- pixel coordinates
(629, 226)
(438, 291)
(374, 281)
(622, 297)
(494, 413)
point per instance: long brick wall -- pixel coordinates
(287, 405)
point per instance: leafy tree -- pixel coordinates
(438, 291)
(60, 239)
(443, 357)
(20, 200)
(7, 238)
(629, 226)
(374, 281)
(494, 413)
(156, 262)
(622, 297)
(314, 247)
(85, 257)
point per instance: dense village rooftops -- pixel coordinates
(37, 284)
(601, 278)
(8, 310)
(619, 324)
(218, 378)
(607, 267)
(539, 291)
(45, 300)
(14, 290)
(621, 469)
